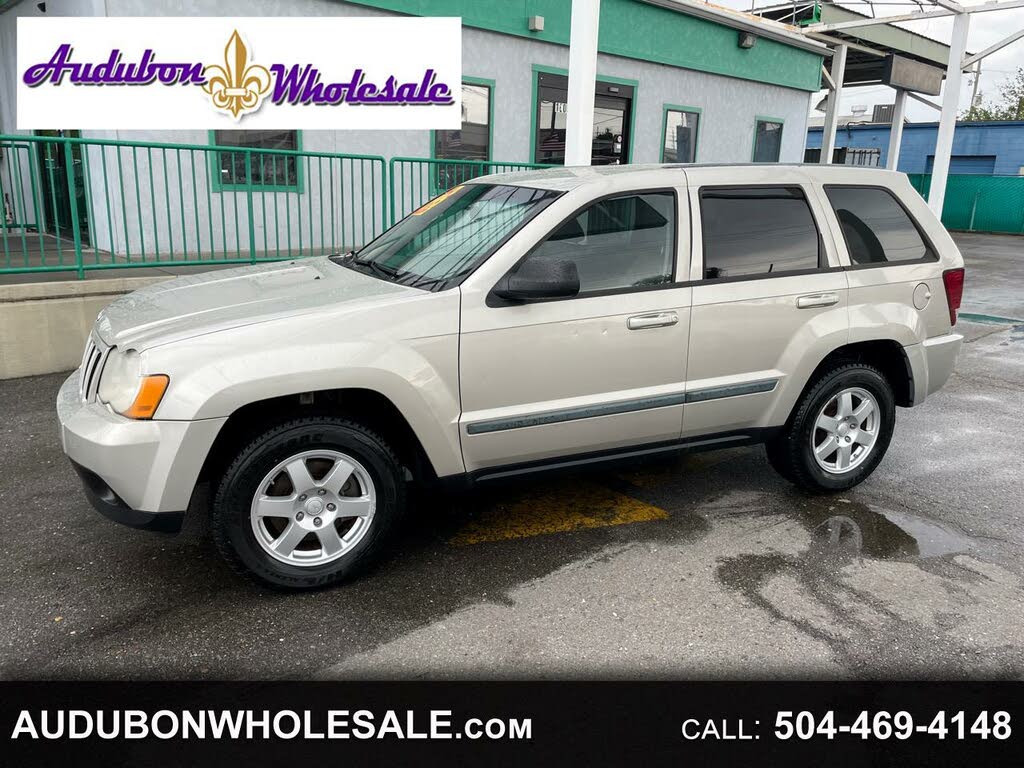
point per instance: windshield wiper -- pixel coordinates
(388, 273)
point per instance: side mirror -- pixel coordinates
(540, 279)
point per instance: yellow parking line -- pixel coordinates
(574, 507)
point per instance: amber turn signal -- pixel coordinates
(151, 391)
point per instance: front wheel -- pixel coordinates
(308, 503)
(839, 431)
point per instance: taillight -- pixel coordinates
(953, 279)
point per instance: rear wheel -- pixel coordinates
(308, 503)
(839, 431)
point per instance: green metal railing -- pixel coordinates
(74, 204)
(415, 180)
(975, 203)
(87, 204)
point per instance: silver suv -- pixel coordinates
(514, 324)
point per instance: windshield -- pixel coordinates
(444, 240)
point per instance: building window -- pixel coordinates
(268, 169)
(767, 140)
(875, 226)
(618, 243)
(679, 141)
(751, 231)
(472, 140)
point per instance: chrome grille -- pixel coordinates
(93, 358)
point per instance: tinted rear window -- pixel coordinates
(876, 227)
(757, 230)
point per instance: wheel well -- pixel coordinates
(884, 354)
(371, 409)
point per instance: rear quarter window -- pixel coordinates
(876, 227)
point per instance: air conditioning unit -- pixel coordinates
(882, 113)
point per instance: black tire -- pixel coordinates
(230, 515)
(790, 453)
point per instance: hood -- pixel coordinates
(213, 301)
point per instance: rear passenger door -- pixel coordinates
(769, 299)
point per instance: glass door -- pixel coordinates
(612, 105)
(611, 121)
(552, 95)
(54, 172)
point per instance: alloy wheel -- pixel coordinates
(313, 508)
(846, 430)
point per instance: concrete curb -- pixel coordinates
(43, 326)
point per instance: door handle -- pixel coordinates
(817, 300)
(657, 320)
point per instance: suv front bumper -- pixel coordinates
(134, 472)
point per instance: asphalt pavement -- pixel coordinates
(705, 566)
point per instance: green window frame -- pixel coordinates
(541, 68)
(698, 112)
(758, 119)
(217, 184)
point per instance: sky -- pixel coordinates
(986, 29)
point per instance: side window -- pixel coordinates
(767, 141)
(679, 143)
(622, 242)
(875, 226)
(472, 140)
(267, 170)
(756, 231)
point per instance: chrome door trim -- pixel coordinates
(579, 412)
(621, 406)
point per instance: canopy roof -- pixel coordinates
(868, 47)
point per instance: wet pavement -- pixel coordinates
(995, 274)
(704, 566)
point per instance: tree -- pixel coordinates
(1009, 105)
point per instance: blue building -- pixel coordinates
(991, 149)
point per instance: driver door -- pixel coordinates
(593, 373)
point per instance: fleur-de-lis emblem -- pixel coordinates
(238, 86)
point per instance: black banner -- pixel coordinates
(511, 723)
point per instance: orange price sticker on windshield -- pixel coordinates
(439, 199)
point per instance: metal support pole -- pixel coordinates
(899, 110)
(828, 135)
(947, 122)
(579, 127)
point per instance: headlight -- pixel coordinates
(124, 390)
